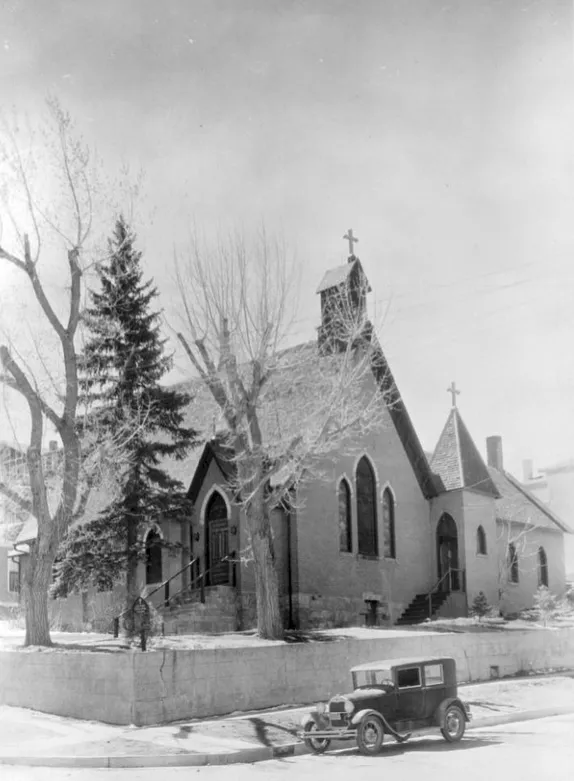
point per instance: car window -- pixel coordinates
(372, 678)
(433, 674)
(409, 677)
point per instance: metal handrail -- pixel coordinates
(161, 585)
(434, 589)
(201, 577)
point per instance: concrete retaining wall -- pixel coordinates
(79, 684)
(158, 686)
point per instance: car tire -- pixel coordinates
(317, 745)
(370, 735)
(453, 724)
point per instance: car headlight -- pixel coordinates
(349, 707)
(321, 708)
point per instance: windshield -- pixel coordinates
(372, 678)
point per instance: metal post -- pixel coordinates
(116, 626)
(143, 640)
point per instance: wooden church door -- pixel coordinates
(217, 541)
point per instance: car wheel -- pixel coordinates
(370, 735)
(317, 745)
(453, 724)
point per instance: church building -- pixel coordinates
(388, 534)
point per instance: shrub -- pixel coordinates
(545, 604)
(480, 606)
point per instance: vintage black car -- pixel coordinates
(397, 697)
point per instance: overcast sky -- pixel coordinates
(441, 132)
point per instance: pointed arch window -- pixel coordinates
(366, 508)
(481, 541)
(153, 562)
(542, 568)
(389, 525)
(513, 572)
(344, 496)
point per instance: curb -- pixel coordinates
(243, 756)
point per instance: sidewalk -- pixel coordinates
(33, 738)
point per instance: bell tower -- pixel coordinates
(343, 293)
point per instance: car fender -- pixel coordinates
(360, 715)
(387, 727)
(440, 711)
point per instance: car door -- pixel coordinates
(410, 694)
(434, 686)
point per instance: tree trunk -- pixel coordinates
(132, 591)
(269, 616)
(35, 593)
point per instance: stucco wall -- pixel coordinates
(324, 572)
(148, 688)
(481, 571)
(518, 596)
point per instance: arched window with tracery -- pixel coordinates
(513, 569)
(480, 541)
(542, 568)
(366, 489)
(345, 534)
(389, 525)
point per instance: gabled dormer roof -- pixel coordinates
(457, 462)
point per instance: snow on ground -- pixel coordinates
(12, 637)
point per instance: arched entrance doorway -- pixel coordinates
(447, 553)
(216, 540)
(153, 563)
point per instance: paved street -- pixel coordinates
(529, 751)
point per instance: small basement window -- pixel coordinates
(409, 678)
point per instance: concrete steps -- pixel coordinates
(218, 613)
(418, 610)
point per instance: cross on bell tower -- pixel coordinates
(452, 389)
(352, 240)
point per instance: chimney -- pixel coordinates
(494, 452)
(527, 470)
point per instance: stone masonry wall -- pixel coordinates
(159, 686)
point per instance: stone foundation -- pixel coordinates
(318, 612)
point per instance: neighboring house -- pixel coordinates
(384, 533)
(12, 472)
(9, 570)
(554, 485)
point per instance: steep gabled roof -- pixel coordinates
(214, 450)
(340, 274)
(457, 462)
(291, 402)
(517, 505)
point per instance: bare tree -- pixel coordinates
(47, 210)
(237, 306)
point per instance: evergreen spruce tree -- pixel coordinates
(480, 606)
(122, 365)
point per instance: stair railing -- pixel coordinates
(116, 619)
(447, 577)
(201, 579)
